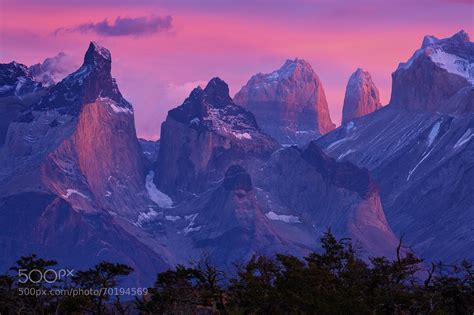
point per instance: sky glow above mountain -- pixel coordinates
(163, 49)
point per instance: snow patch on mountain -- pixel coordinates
(453, 64)
(282, 217)
(5, 88)
(190, 227)
(440, 52)
(161, 199)
(115, 107)
(468, 135)
(70, 192)
(410, 173)
(146, 216)
(345, 154)
(172, 218)
(433, 133)
(79, 74)
(224, 123)
(194, 122)
(243, 135)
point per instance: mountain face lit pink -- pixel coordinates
(288, 103)
(362, 96)
(72, 175)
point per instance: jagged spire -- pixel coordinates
(362, 96)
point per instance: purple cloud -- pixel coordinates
(126, 26)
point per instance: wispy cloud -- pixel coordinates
(124, 26)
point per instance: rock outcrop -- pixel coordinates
(419, 149)
(289, 103)
(362, 96)
(204, 136)
(434, 74)
(73, 171)
(18, 92)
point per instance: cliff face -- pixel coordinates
(73, 171)
(204, 136)
(289, 103)
(362, 96)
(434, 74)
(320, 192)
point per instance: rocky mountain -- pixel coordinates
(73, 175)
(16, 80)
(362, 96)
(75, 184)
(420, 149)
(18, 91)
(51, 70)
(278, 208)
(237, 193)
(204, 136)
(434, 74)
(289, 103)
(150, 149)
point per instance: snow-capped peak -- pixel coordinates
(212, 108)
(455, 54)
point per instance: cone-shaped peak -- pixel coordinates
(91, 81)
(97, 55)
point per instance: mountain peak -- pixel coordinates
(435, 72)
(362, 96)
(97, 54)
(359, 73)
(16, 80)
(461, 36)
(218, 92)
(91, 81)
(289, 69)
(297, 62)
(289, 103)
(213, 108)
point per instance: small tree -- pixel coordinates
(102, 277)
(30, 276)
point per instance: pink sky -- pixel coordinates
(157, 69)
